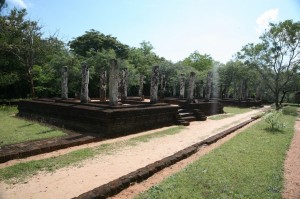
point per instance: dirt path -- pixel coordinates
(292, 167)
(138, 188)
(72, 181)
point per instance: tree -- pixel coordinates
(198, 61)
(21, 39)
(277, 57)
(143, 59)
(97, 42)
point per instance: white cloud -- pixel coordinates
(18, 3)
(263, 20)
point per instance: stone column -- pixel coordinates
(141, 85)
(123, 83)
(162, 86)
(64, 82)
(154, 85)
(208, 86)
(102, 87)
(174, 90)
(181, 86)
(190, 90)
(113, 83)
(84, 95)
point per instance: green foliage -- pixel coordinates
(276, 57)
(198, 61)
(250, 165)
(273, 119)
(290, 110)
(14, 130)
(95, 41)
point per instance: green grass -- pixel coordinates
(250, 165)
(22, 171)
(15, 130)
(229, 112)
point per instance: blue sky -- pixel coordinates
(175, 28)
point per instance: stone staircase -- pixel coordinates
(185, 116)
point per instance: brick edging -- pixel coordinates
(46, 148)
(114, 187)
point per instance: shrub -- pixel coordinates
(273, 118)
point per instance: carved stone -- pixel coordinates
(103, 84)
(154, 85)
(190, 89)
(84, 94)
(181, 86)
(64, 83)
(113, 83)
(141, 85)
(123, 83)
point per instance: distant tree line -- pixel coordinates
(30, 64)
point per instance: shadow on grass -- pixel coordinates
(273, 130)
(25, 125)
(46, 131)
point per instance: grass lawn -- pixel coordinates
(14, 130)
(229, 112)
(250, 165)
(22, 171)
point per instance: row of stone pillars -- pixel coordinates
(116, 86)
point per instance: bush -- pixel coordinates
(273, 118)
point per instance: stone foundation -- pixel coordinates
(98, 118)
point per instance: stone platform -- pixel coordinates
(99, 118)
(208, 108)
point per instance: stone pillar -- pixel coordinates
(102, 87)
(154, 85)
(64, 82)
(113, 82)
(174, 90)
(84, 95)
(162, 86)
(181, 86)
(123, 84)
(208, 86)
(141, 85)
(190, 90)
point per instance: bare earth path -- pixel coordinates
(72, 181)
(292, 167)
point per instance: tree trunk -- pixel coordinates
(141, 86)
(282, 98)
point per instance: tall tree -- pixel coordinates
(21, 38)
(98, 42)
(277, 57)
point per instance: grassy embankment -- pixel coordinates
(229, 112)
(250, 165)
(15, 130)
